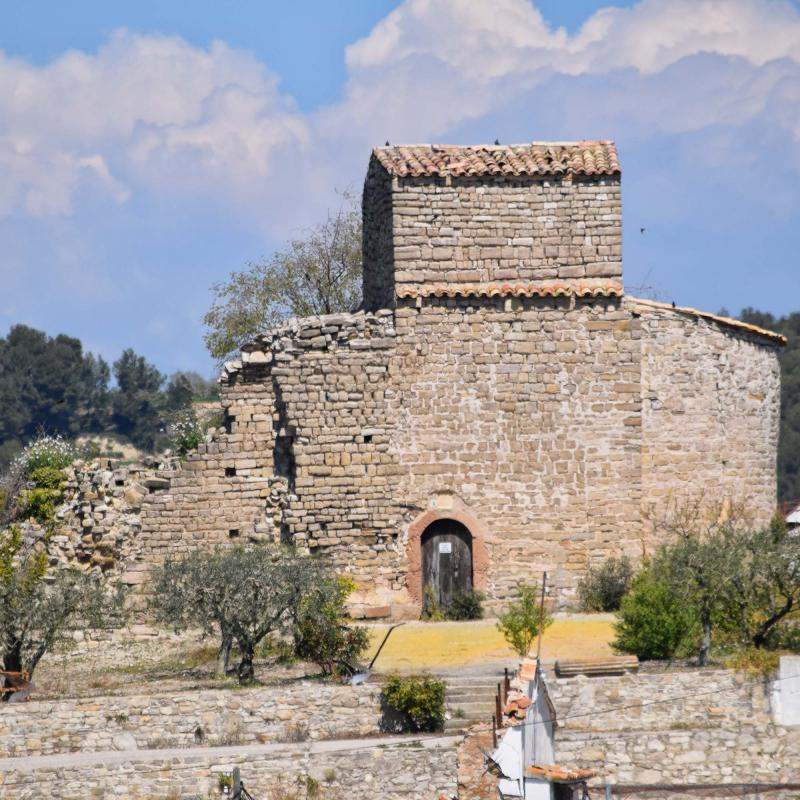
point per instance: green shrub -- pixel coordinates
(604, 587)
(47, 477)
(524, 618)
(186, 433)
(653, 622)
(46, 451)
(418, 699)
(466, 605)
(40, 504)
(321, 633)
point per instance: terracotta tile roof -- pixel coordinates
(590, 157)
(778, 338)
(555, 772)
(510, 290)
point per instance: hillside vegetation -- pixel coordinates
(51, 385)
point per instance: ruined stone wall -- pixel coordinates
(225, 491)
(490, 229)
(710, 416)
(545, 425)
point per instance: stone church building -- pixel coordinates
(498, 407)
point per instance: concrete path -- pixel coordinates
(32, 763)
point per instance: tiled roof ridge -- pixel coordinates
(779, 338)
(512, 289)
(580, 157)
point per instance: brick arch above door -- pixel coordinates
(480, 555)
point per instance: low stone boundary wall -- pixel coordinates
(300, 711)
(677, 726)
(707, 755)
(348, 771)
(661, 700)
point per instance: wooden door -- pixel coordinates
(446, 560)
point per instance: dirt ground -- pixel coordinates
(141, 660)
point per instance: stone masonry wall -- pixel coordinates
(545, 425)
(457, 231)
(674, 727)
(355, 771)
(523, 416)
(297, 712)
(711, 408)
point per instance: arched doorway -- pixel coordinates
(446, 560)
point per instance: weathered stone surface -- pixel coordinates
(553, 427)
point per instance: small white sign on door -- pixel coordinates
(445, 547)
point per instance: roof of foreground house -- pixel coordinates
(588, 157)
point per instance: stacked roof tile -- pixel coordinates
(510, 290)
(590, 157)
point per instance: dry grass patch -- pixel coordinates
(432, 645)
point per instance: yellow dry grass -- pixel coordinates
(436, 645)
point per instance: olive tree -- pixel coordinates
(317, 273)
(240, 594)
(730, 574)
(38, 608)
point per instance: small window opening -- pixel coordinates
(368, 438)
(119, 482)
(233, 533)
(230, 472)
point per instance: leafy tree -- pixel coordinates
(765, 586)
(185, 388)
(719, 570)
(523, 620)
(789, 357)
(319, 273)
(241, 594)
(48, 383)
(321, 630)
(653, 621)
(37, 610)
(136, 403)
(604, 587)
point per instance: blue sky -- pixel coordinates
(148, 149)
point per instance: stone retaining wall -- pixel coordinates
(661, 700)
(361, 773)
(714, 726)
(304, 710)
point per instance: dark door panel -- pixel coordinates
(447, 560)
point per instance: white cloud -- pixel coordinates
(143, 109)
(155, 114)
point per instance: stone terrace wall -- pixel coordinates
(661, 700)
(301, 711)
(360, 773)
(490, 229)
(724, 733)
(710, 416)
